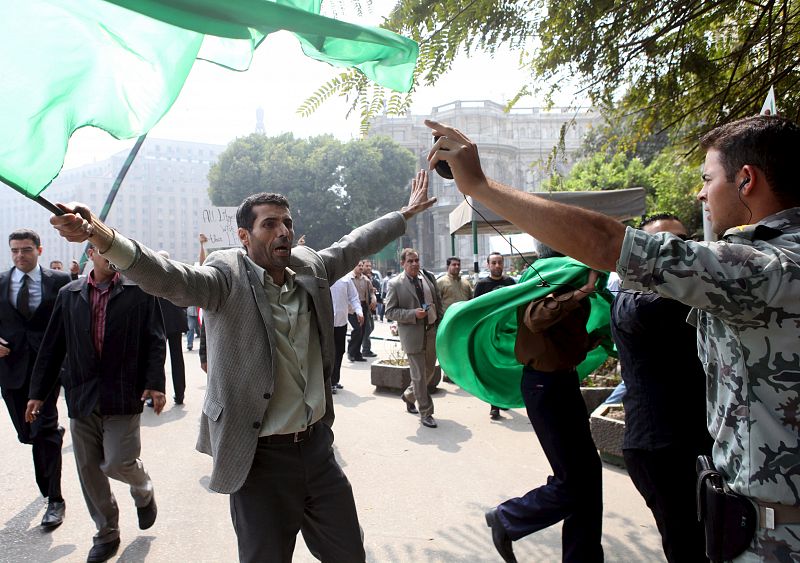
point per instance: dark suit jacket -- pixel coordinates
(175, 320)
(25, 337)
(133, 351)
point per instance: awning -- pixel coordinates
(620, 204)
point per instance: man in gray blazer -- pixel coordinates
(268, 407)
(413, 301)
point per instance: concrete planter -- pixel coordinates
(607, 434)
(392, 378)
(594, 396)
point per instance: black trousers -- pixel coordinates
(666, 479)
(574, 492)
(43, 434)
(291, 488)
(339, 336)
(175, 343)
(356, 334)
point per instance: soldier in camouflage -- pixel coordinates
(745, 291)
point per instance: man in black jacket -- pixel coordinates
(660, 448)
(112, 336)
(175, 324)
(27, 294)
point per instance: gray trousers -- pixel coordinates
(422, 367)
(109, 446)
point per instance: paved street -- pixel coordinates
(421, 493)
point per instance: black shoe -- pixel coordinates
(502, 543)
(62, 431)
(103, 551)
(410, 407)
(339, 385)
(54, 515)
(178, 400)
(494, 413)
(428, 421)
(333, 389)
(147, 514)
(369, 355)
(188, 348)
(358, 359)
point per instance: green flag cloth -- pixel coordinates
(475, 340)
(119, 65)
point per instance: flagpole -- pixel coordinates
(114, 190)
(50, 206)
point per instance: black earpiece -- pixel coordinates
(744, 183)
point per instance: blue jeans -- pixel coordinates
(194, 327)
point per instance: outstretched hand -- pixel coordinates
(419, 200)
(460, 153)
(76, 224)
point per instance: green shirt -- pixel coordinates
(298, 399)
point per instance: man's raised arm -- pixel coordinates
(590, 237)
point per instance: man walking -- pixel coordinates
(343, 296)
(413, 301)
(551, 341)
(27, 294)
(496, 280)
(360, 331)
(451, 287)
(268, 408)
(112, 336)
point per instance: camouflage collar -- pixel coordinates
(768, 228)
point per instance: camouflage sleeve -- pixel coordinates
(732, 281)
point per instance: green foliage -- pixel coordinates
(671, 183)
(680, 66)
(332, 186)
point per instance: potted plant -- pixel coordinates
(607, 425)
(393, 374)
(599, 384)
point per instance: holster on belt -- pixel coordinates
(729, 519)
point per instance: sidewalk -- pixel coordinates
(421, 493)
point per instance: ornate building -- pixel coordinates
(514, 147)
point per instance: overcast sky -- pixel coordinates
(217, 105)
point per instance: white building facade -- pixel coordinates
(159, 203)
(514, 148)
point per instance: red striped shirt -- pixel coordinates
(98, 298)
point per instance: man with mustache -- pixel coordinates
(268, 407)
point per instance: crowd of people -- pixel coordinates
(273, 339)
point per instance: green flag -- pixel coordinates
(475, 340)
(119, 65)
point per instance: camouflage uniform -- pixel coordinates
(746, 293)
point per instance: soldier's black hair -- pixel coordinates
(769, 142)
(452, 258)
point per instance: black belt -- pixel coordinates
(292, 438)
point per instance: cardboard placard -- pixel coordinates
(219, 225)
